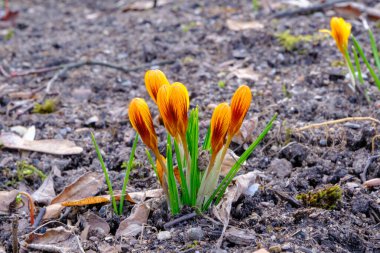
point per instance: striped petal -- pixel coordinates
(166, 109)
(220, 122)
(154, 79)
(179, 101)
(240, 102)
(141, 120)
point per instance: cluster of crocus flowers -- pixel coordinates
(173, 106)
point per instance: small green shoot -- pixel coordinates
(24, 169)
(221, 84)
(128, 171)
(105, 172)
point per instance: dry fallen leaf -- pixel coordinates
(50, 146)
(92, 224)
(240, 236)
(229, 160)
(53, 240)
(223, 209)
(133, 225)
(238, 25)
(356, 10)
(95, 200)
(144, 5)
(87, 185)
(45, 193)
(141, 196)
(246, 73)
(245, 133)
(6, 199)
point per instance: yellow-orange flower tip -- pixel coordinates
(167, 112)
(340, 31)
(240, 102)
(173, 104)
(220, 122)
(179, 100)
(154, 79)
(141, 120)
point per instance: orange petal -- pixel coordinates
(167, 111)
(160, 170)
(240, 102)
(177, 174)
(220, 122)
(340, 31)
(154, 79)
(179, 101)
(141, 120)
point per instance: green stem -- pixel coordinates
(128, 171)
(351, 70)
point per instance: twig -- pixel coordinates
(14, 234)
(4, 72)
(363, 175)
(180, 219)
(308, 10)
(292, 201)
(66, 67)
(39, 217)
(81, 63)
(337, 122)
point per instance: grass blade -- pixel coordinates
(128, 171)
(374, 49)
(108, 181)
(357, 63)
(219, 192)
(364, 58)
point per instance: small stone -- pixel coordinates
(281, 168)
(352, 185)
(275, 249)
(164, 235)
(323, 142)
(287, 247)
(195, 234)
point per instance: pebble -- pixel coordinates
(164, 235)
(352, 125)
(281, 168)
(323, 142)
(352, 185)
(195, 234)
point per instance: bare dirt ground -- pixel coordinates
(192, 43)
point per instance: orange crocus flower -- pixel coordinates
(240, 102)
(220, 122)
(173, 104)
(154, 79)
(141, 120)
(340, 31)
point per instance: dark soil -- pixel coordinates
(300, 85)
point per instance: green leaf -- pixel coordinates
(374, 49)
(172, 186)
(364, 58)
(184, 189)
(357, 63)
